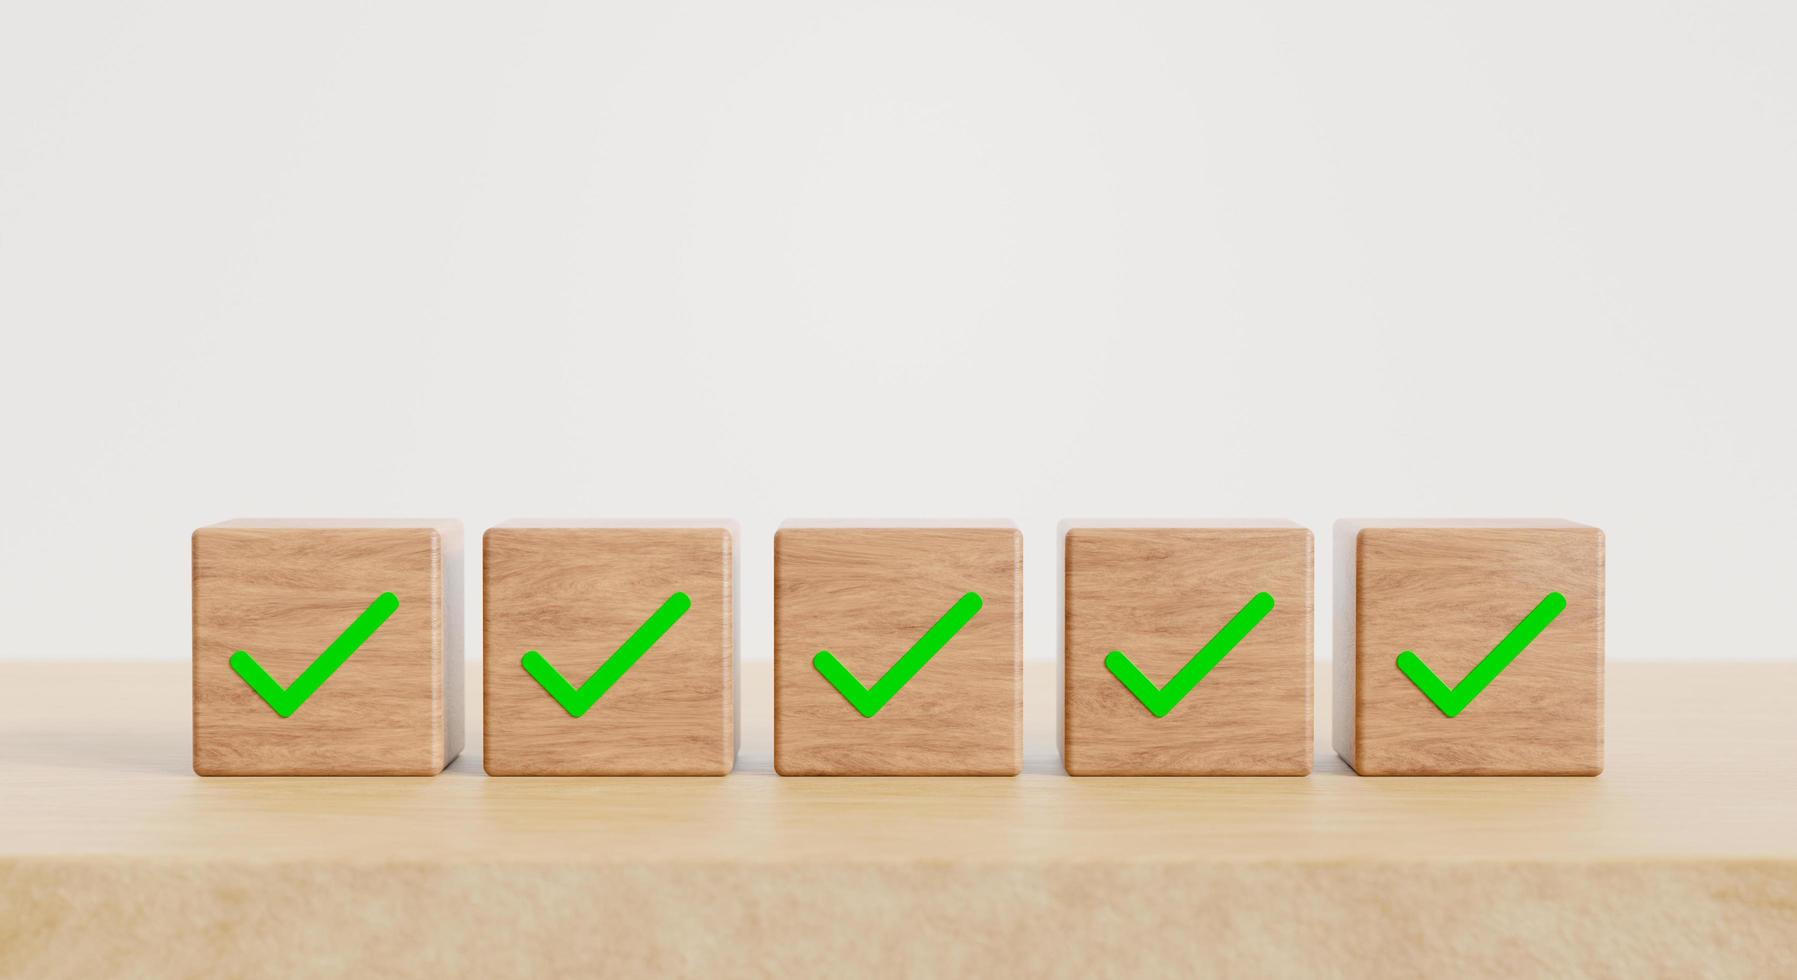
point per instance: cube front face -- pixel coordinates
(869, 595)
(576, 595)
(1158, 596)
(284, 595)
(1451, 596)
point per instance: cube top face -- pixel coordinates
(284, 592)
(1160, 594)
(575, 593)
(621, 524)
(1451, 593)
(868, 595)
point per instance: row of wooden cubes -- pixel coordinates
(610, 648)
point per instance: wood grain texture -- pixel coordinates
(1679, 861)
(575, 593)
(1449, 591)
(867, 594)
(1159, 594)
(283, 591)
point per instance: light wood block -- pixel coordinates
(1680, 861)
(1158, 593)
(575, 592)
(867, 594)
(284, 590)
(1450, 591)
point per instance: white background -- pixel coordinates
(777, 259)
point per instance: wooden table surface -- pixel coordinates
(115, 859)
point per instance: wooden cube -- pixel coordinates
(1218, 610)
(610, 649)
(1469, 647)
(327, 648)
(858, 607)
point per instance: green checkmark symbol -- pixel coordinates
(1162, 700)
(287, 700)
(868, 700)
(1453, 700)
(577, 700)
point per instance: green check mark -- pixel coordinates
(868, 700)
(577, 700)
(1162, 700)
(287, 700)
(1453, 700)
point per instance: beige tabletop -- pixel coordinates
(114, 858)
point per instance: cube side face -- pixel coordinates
(455, 669)
(284, 595)
(1342, 667)
(868, 595)
(575, 595)
(1450, 595)
(1159, 595)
